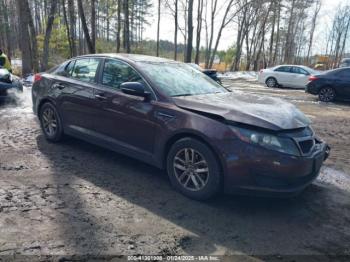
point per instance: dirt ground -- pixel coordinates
(76, 198)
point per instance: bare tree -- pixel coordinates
(158, 28)
(72, 23)
(48, 35)
(199, 29)
(313, 26)
(126, 26)
(25, 44)
(119, 22)
(93, 24)
(89, 42)
(188, 57)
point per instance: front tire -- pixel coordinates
(327, 94)
(193, 169)
(51, 123)
(271, 82)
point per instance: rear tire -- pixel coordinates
(51, 123)
(327, 94)
(198, 177)
(271, 82)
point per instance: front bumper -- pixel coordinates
(311, 88)
(259, 171)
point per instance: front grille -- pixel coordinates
(306, 145)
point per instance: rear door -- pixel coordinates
(123, 120)
(342, 84)
(76, 96)
(283, 75)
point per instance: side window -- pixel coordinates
(115, 73)
(298, 70)
(345, 74)
(64, 69)
(85, 69)
(283, 69)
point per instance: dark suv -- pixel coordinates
(172, 116)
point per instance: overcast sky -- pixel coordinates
(228, 38)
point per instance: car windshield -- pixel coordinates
(178, 79)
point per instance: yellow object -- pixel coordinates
(219, 67)
(7, 64)
(322, 59)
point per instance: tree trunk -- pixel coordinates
(93, 24)
(223, 25)
(188, 58)
(313, 26)
(126, 26)
(278, 33)
(89, 43)
(272, 32)
(27, 63)
(158, 28)
(199, 30)
(67, 27)
(176, 28)
(212, 24)
(34, 46)
(50, 21)
(119, 25)
(289, 37)
(72, 23)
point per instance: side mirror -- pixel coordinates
(134, 89)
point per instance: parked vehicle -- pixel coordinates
(170, 115)
(212, 73)
(331, 85)
(345, 63)
(286, 76)
(9, 82)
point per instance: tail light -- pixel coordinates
(37, 77)
(313, 78)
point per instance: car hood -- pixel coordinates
(260, 111)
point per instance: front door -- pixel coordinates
(300, 77)
(123, 120)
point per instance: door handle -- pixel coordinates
(100, 97)
(60, 86)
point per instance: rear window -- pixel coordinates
(345, 73)
(64, 70)
(85, 69)
(285, 69)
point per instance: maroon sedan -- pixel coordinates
(170, 115)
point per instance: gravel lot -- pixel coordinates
(76, 198)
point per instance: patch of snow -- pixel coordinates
(249, 75)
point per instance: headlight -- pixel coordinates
(268, 141)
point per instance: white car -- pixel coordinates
(286, 76)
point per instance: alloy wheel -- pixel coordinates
(49, 121)
(271, 82)
(191, 169)
(327, 94)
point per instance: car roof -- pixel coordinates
(131, 57)
(337, 70)
(293, 65)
